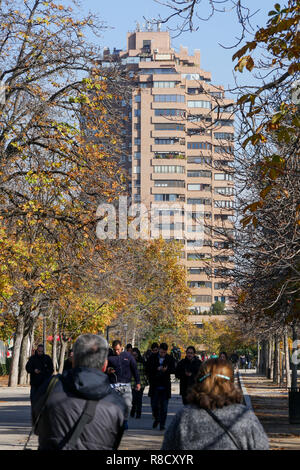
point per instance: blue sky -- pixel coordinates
(121, 16)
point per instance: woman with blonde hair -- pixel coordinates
(215, 418)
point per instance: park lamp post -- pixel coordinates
(125, 330)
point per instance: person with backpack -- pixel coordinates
(82, 411)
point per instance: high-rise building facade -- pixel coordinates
(180, 150)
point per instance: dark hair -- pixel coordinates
(212, 391)
(154, 345)
(225, 354)
(128, 346)
(163, 346)
(191, 347)
(116, 342)
(139, 358)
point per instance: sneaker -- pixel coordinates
(155, 423)
(162, 428)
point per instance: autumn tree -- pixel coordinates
(49, 169)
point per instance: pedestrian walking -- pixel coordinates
(243, 361)
(223, 355)
(159, 368)
(215, 418)
(68, 364)
(82, 412)
(234, 359)
(137, 395)
(248, 360)
(40, 368)
(121, 368)
(186, 371)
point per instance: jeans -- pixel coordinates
(125, 391)
(159, 402)
(137, 400)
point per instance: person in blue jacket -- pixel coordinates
(121, 368)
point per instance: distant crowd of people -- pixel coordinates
(88, 406)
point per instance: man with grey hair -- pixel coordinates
(77, 391)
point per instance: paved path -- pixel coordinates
(270, 404)
(15, 422)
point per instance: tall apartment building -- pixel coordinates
(180, 144)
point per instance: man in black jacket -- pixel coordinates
(159, 367)
(40, 368)
(85, 382)
(186, 371)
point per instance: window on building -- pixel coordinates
(168, 169)
(166, 197)
(199, 187)
(169, 98)
(197, 256)
(157, 71)
(166, 141)
(198, 174)
(223, 177)
(198, 284)
(169, 183)
(223, 135)
(195, 201)
(199, 145)
(224, 204)
(223, 149)
(206, 160)
(227, 191)
(164, 84)
(169, 112)
(199, 104)
(170, 126)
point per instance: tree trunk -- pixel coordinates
(258, 357)
(279, 362)
(62, 354)
(271, 358)
(25, 352)
(275, 363)
(54, 346)
(287, 358)
(294, 357)
(14, 370)
(265, 356)
(31, 348)
(133, 337)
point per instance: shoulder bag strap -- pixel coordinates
(85, 418)
(229, 433)
(49, 390)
